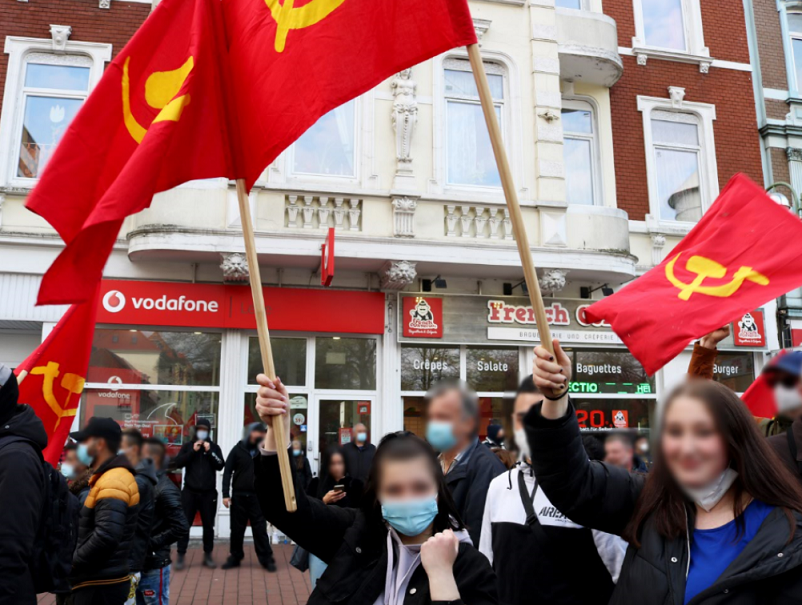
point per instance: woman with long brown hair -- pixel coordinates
(716, 521)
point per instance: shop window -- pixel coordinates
(469, 154)
(580, 152)
(492, 410)
(614, 414)
(289, 358)
(329, 147)
(492, 370)
(423, 366)
(345, 363)
(298, 417)
(609, 372)
(415, 415)
(337, 418)
(735, 370)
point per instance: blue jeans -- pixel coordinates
(154, 587)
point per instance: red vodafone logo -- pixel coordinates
(114, 301)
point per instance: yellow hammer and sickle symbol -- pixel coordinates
(704, 268)
(161, 89)
(288, 17)
(72, 383)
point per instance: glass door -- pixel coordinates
(336, 417)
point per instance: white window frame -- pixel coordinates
(791, 8)
(694, 35)
(583, 103)
(708, 169)
(18, 50)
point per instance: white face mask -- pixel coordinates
(202, 435)
(707, 497)
(787, 398)
(522, 443)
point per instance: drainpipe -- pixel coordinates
(757, 85)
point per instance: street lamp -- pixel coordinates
(781, 199)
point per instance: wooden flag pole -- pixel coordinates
(530, 275)
(264, 342)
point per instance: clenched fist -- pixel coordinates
(438, 553)
(272, 399)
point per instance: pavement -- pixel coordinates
(248, 584)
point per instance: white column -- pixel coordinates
(390, 406)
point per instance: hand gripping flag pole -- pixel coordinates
(530, 275)
(277, 422)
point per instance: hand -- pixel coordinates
(272, 400)
(331, 497)
(197, 445)
(716, 336)
(206, 445)
(227, 502)
(551, 373)
(438, 553)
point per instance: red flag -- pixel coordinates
(53, 376)
(156, 119)
(292, 62)
(743, 253)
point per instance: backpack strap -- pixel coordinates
(793, 448)
(528, 500)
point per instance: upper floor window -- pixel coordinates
(469, 154)
(577, 4)
(795, 30)
(664, 23)
(579, 151)
(329, 147)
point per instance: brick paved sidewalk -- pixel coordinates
(249, 584)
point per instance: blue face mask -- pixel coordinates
(296, 452)
(83, 455)
(362, 437)
(410, 517)
(440, 435)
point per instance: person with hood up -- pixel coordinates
(22, 488)
(240, 498)
(75, 472)
(495, 436)
(406, 543)
(202, 459)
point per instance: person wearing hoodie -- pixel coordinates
(406, 542)
(108, 519)
(534, 548)
(146, 480)
(75, 472)
(202, 459)
(495, 436)
(22, 487)
(240, 499)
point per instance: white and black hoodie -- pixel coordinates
(551, 562)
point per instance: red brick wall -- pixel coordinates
(770, 45)
(735, 129)
(89, 23)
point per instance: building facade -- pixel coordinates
(427, 280)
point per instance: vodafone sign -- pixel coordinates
(224, 306)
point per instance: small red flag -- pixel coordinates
(53, 376)
(743, 253)
(156, 119)
(292, 62)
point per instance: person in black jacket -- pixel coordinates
(359, 453)
(716, 521)
(170, 525)
(146, 480)
(202, 458)
(405, 545)
(301, 470)
(22, 485)
(452, 427)
(108, 519)
(240, 498)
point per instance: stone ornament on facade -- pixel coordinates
(234, 267)
(404, 216)
(552, 280)
(322, 212)
(704, 67)
(642, 58)
(658, 243)
(477, 222)
(397, 274)
(481, 26)
(677, 96)
(104, 4)
(405, 116)
(60, 35)
(793, 154)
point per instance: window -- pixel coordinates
(670, 27)
(664, 24)
(329, 147)
(289, 358)
(577, 4)
(345, 363)
(735, 370)
(423, 366)
(469, 154)
(795, 30)
(579, 151)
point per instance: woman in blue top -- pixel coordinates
(717, 519)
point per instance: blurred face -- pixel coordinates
(642, 445)
(337, 467)
(618, 453)
(257, 437)
(523, 403)
(130, 450)
(448, 408)
(71, 458)
(694, 450)
(296, 445)
(155, 453)
(406, 480)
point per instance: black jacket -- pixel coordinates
(202, 466)
(469, 479)
(22, 484)
(146, 480)
(301, 476)
(106, 525)
(170, 522)
(767, 572)
(239, 464)
(355, 552)
(320, 486)
(358, 461)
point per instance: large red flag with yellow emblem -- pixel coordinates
(53, 376)
(743, 253)
(156, 119)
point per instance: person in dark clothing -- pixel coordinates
(620, 451)
(201, 458)
(469, 467)
(240, 498)
(169, 526)
(301, 469)
(405, 544)
(359, 453)
(108, 519)
(146, 480)
(22, 486)
(716, 521)
(495, 436)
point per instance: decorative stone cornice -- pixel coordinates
(60, 34)
(552, 280)
(397, 274)
(235, 267)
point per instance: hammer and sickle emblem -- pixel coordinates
(72, 383)
(288, 17)
(704, 268)
(161, 90)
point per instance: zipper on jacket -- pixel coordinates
(688, 544)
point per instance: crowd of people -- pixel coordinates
(709, 510)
